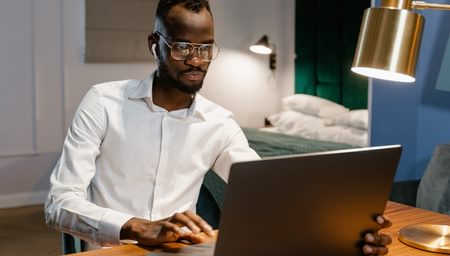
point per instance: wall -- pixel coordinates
(241, 75)
(24, 177)
(48, 37)
(415, 115)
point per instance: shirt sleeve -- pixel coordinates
(67, 207)
(235, 149)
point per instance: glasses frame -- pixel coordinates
(194, 46)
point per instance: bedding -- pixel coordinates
(276, 144)
(268, 144)
(346, 128)
(312, 117)
(358, 118)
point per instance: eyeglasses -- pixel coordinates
(184, 50)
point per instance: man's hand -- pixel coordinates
(376, 243)
(171, 229)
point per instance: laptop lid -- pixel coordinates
(309, 204)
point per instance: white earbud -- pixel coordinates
(154, 51)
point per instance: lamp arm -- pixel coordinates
(273, 57)
(420, 5)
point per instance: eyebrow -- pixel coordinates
(211, 41)
(181, 40)
(186, 41)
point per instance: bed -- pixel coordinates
(306, 124)
(268, 144)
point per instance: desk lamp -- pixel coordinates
(389, 40)
(388, 46)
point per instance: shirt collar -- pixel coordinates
(197, 110)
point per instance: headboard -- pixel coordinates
(326, 36)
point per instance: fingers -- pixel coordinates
(150, 232)
(380, 239)
(168, 230)
(171, 231)
(193, 238)
(373, 250)
(376, 244)
(383, 221)
(194, 222)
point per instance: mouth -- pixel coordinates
(193, 75)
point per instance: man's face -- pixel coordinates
(182, 25)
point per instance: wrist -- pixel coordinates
(126, 231)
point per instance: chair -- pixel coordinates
(434, 189)
(210, 201)
(405, 192)
(71, 244)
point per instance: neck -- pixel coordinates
(171, 98)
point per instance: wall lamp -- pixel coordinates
(389, 40)
(262, 46)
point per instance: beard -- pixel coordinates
(188, 88)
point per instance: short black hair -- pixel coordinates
(164, 6)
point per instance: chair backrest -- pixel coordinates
(434, 189)
(71, 244)
(208, 208)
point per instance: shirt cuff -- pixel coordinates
(110, 225)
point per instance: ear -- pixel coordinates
(152, 44)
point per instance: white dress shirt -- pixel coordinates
(124, 157)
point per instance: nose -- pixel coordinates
(195, 59)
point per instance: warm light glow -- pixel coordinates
(389, 40)
(383, 74)
(388, 44)
(260, 49)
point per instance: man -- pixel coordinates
(137, 151)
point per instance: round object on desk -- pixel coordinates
(428, 237)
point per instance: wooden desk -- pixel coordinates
(401, 215)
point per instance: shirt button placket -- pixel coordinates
(157, 193)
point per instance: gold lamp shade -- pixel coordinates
(388, 44)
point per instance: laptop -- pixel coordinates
(310, 204)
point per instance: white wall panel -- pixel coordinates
(16, 78)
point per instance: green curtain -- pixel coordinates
(326, 36)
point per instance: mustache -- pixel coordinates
(193, 70)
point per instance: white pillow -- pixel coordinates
(343, 134)
(312, 127)
(355, 118)
(296, 123)
(313, 105)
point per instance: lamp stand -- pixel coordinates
(433, 238)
